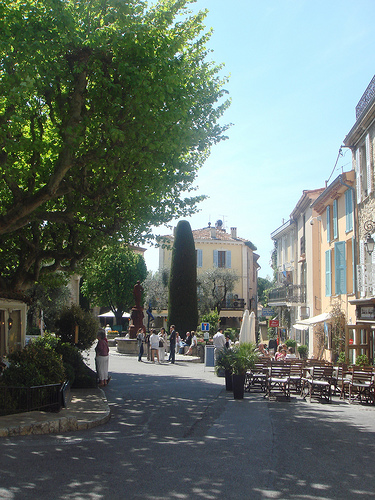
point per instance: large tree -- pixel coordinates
(107, 110)
(183, 302)
(214, 285)
(110, 276)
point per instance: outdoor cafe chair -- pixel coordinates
(257, 376)
(361, 385)
(319, 384)
(278, 380)
(296, 373)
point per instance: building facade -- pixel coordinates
(217, 248)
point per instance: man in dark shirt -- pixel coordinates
(172, 344)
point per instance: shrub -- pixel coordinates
(291, 343)
(77, 372)
(362, 360)
(66, 323)
(36, 364)
(303, 350)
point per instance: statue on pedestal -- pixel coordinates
(137, 312)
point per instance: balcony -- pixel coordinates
(295, 294)
(366, 279)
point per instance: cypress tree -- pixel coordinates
(183, 303)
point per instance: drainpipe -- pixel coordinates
(355, 227)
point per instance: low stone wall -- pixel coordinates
(127, 346)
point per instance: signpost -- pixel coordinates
(268, 312)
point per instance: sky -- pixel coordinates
(297, 70)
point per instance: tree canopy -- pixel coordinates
(214, 286)
(107, 110)
(110, 276)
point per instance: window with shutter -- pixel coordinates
(328, 274)
(340, 268)
(349, 210)
(335, 221)
(328, 215)
(199, 253)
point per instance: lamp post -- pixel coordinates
(369, 240)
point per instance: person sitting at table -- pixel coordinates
(261, 351)
(280, 355)
(290, 354)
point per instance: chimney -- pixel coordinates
(213, 232)
(233, 232)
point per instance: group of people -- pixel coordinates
(156, 344)
(283, 352)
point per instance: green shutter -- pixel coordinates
(328, 212)
(328, 274)
(340, 268)
(335, 222)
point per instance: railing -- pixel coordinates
(288, 293)
(233, 304)
(365, 100)
(38, 398)
(366, 279)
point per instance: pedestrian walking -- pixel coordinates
(102, 358)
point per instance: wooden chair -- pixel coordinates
(278, 380)
(320, 383)
(361, 385)
(257, 376)
(296, 373)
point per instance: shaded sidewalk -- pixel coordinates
(87, 408)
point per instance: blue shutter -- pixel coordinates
(353, 263)
(349, 210)
(228, 259)
(328, 274)
(340, 268)
(199, 257)
(335, 224)
(328, 211)
(216, 258)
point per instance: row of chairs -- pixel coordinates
(311, 378)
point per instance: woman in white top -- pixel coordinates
(162, 340)
(154, 344)
(290, 354)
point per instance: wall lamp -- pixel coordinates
(10, 323)
(369, 240)
(319, 218)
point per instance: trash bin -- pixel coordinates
(209, 355)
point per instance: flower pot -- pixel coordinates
(238, 382)
(228, 380)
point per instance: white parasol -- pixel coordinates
(247, 332)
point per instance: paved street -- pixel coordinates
(175, 433)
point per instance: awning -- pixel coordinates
(303, 324)
(298, 326)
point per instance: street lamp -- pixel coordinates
(369, 241)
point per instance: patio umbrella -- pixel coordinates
(247, 331)
(245, 328)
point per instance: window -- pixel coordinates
(340, 268)
(335, 220)
(349, 210)
(199, 254)
(328, 274)
(363, 169)
(328, 215)
(222, 258)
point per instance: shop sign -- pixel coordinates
(366, 312)
(274, 323)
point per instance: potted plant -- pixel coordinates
(302, 350)
(243, 359)
(224, 362)
(362, 360)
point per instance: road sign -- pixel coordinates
(351, 341)
(205, 327)
(267, 312)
